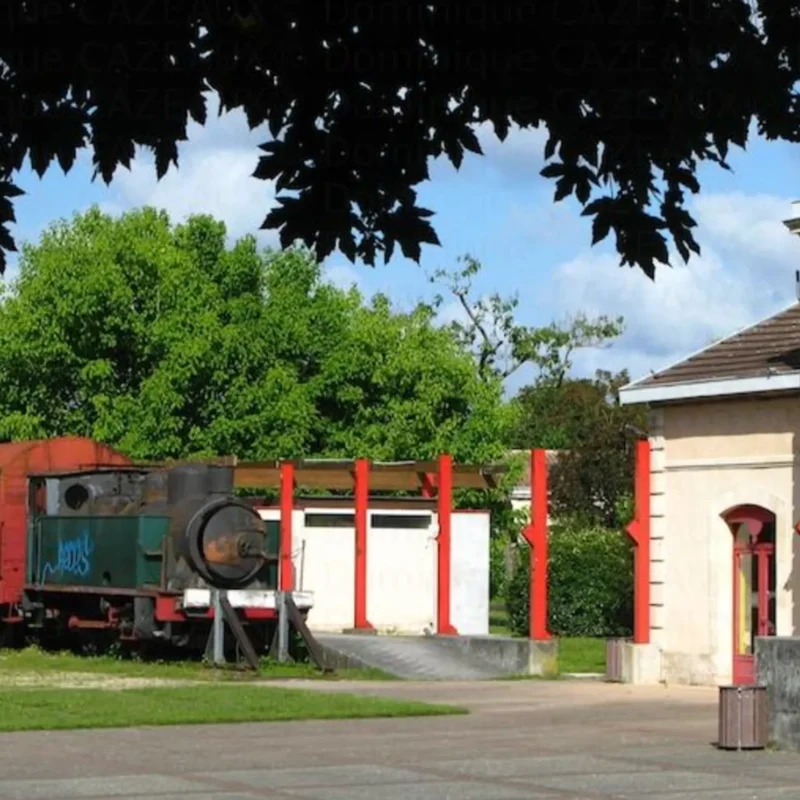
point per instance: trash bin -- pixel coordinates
(742, 718)
(614, 659)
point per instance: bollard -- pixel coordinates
(614, 659)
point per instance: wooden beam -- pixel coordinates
(337, 475)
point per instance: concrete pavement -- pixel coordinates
(525, 740)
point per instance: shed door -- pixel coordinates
(401, 572)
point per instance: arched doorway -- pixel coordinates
(754, 583)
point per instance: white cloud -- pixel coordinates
(215, 177)
(745, 273)
(521, 154)
(343, 276)
(550, 223)
(450, 312)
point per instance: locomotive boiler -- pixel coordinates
(135, 553)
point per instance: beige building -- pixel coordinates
(725, 501)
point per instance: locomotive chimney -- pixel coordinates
(220, 479)
(187, 480)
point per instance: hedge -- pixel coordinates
(497, 567)
(590, 578)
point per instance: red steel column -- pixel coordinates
(361, 491)
(536, 536)
(286, 571)
(639, 531)
(445, 498)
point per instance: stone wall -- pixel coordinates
(778, 668)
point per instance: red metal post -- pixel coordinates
(445, 511)
(361, 491)
(286, 571)
(536, 536)
(639, 531)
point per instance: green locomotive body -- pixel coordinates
(137, 553)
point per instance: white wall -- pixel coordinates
(324, 564)
(469, 572)
(402, 575)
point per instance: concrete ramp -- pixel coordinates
(460, 658)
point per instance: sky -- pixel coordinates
(498, 209)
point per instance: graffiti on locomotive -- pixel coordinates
(74, 557)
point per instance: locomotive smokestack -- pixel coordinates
(187, 480)
(220, 479)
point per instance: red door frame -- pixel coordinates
(755, 518)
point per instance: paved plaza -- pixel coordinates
(524, 740)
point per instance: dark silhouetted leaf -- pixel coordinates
(363, 103)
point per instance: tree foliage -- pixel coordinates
(592, 479)
(502, 344)
(164, 342)
(359, 97)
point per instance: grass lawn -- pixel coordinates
(498, 619)
(52, 709)
(581, 654)
(34, 660)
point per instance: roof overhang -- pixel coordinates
(698, 390)
(792, 225)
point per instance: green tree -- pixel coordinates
(359, 97)
(398, 385)
(555, 412)
(593, 478)
(163, 341)
(502, 344)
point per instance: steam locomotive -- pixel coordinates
(133, 553)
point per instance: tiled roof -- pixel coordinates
(771, 347)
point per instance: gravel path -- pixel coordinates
(83, 680)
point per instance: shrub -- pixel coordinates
(497, 567)
(590, 580)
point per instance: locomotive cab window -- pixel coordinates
(38, 497)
